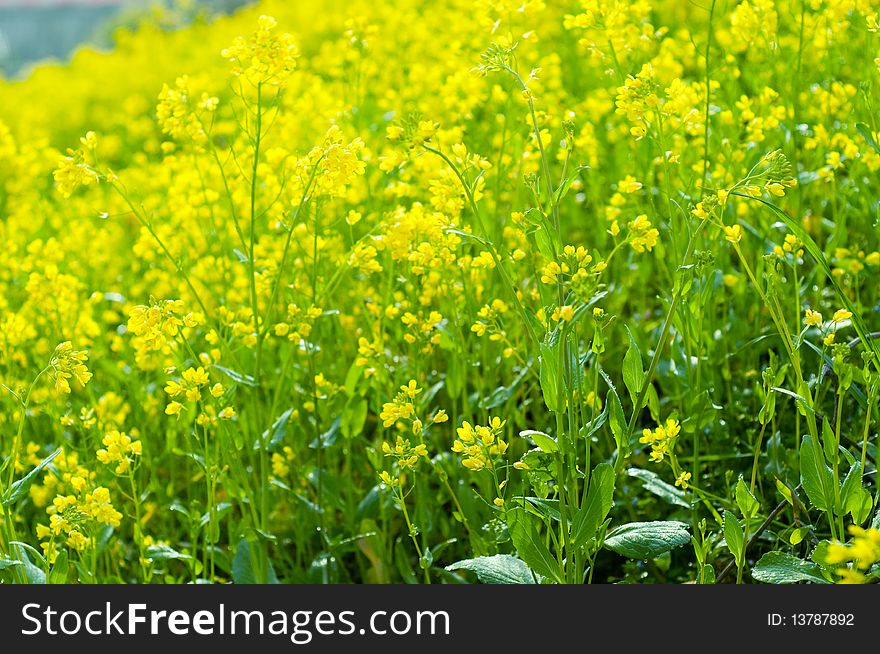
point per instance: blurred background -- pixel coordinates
(35, 30)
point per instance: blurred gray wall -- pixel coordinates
(33, 30)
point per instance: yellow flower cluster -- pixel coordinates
(74, 170)
(73, 519)
(480, 446)
(189, 388)
(404, 453)
(813, 318)
(182, 117)
(266, 58)
(861, 553)
(402, 406)
(281, 461)
(121, 449)
(662, 439)
(574, 264)
(67, 364)
(156, 327)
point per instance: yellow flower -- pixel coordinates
(841, 315)
(812, 318)
(174, 408)
(733, 233)
(66, 364)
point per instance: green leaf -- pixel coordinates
(865, 131)
(829, 443)
(797, 535)
(276, 433)
(529, 545)
(647, 540)
(542, 440)
(9, 563)
(618, 424)
(243, 565)
(550, 375)
(237, 377)
(596, 508)
(354, 415)
(633, 372)
(653, 402)
(652, 483)
(21, 487)
(854, 497)
(815, 476)
(352, 377)
(785, 491)
(164, 553)
(746, 502)
(498, 569)
(34, 573)
(544, 241)
(783, 568)
(564, 187)
(733, 535)
(58, 573)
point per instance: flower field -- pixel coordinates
(560, 291)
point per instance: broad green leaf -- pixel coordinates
(243, 565)
(652, 483)
(733, 535)
(746, 502)
(820, 553)
(783, 568)
(633, 372)
(34, 573)
(21, 487)
(647, 540)
(542, 440)
(854, 497)
(58, 573)
(797, 535)
(815, 476)
(598, 504)
(529, 545)
(497, 569)
(544, 241)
